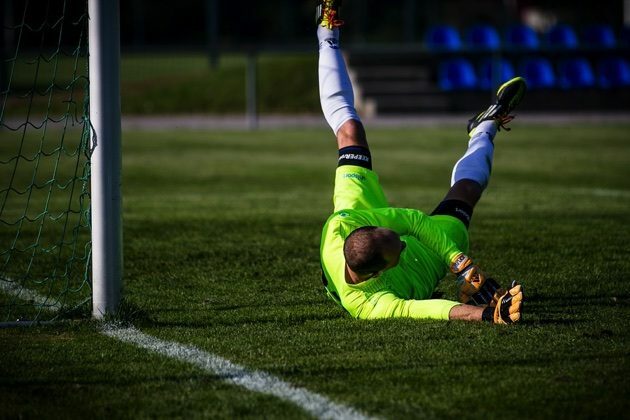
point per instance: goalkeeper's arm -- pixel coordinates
(507, 311)
(466, 312)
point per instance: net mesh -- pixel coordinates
(44, 160)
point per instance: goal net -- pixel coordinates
(45, 140)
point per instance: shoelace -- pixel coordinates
(330, 16)
(503, 121)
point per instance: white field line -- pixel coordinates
(256, 381)
(12, 288)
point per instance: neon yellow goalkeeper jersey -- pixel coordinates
(404, 290)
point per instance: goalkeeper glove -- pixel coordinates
(488, 295)
(471, 281)
(508, 307)
(474, 288)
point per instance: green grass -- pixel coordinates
(221, 236)
(44, 234)
(169, 84)
(159, 84)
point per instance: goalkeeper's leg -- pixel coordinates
(470, 177)
(335, 88)
(471, 173)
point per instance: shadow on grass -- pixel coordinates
(539, 309)
(617, 299)
(233, 315)
(128, 314)
(552, 321)
(18, 383)
(570, 310)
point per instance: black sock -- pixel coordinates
(355, 155)
(455, 208)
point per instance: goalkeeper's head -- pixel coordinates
(370, 250)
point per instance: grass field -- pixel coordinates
(170, 84)
(221, 236)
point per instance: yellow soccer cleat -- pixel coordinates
(327, 14)
(509, 95)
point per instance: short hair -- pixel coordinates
(363, 250)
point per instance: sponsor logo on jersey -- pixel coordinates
(355, 176)
(353, 156)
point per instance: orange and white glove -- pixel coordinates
(474, 287)
(508, 308)
(471, 281)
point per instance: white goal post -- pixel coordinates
(106, 203)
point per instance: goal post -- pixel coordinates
(60, 160)
(104, 64)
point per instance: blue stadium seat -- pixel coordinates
(457, 74)
(625, 36)
(483, 37)
(522, 37)
(562, 36)
(599, 36)
(538, 72)
(613, 73)
(443, 38)
(494, 72)
(575, 73)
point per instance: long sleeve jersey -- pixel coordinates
(404, 290)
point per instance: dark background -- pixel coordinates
(383, 39)
(189, 23)
(229, 24)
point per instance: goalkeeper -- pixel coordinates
(380, 261)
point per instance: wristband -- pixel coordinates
(488, 314)
(459, 263)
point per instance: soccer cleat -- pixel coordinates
(509, 96)
(327, 14)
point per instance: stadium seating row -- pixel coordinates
(577, 72)
(522, 37)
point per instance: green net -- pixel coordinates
(44, 160)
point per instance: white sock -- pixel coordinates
(476, 164)
(335, 89)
